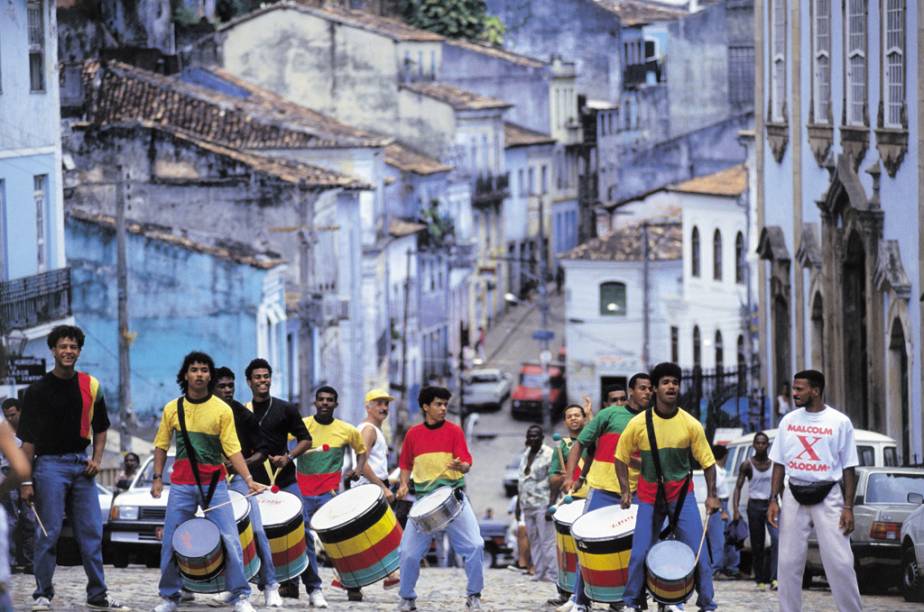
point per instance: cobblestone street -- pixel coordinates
(438, 590)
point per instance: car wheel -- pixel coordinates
(807, 577)
(152, 560)
(912, 584)
(487, 559)
(119, 557)
(510, 491)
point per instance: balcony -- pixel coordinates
(490, 189)
(634, 75)
(35, 300)
(462, 256)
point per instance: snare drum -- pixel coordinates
(199, 554)
(564, 543)
(603, 539)
(361, 535)
(435, 511)
(216, 583)
(671, 565)
(281, 513)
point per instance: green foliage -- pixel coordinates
(493, 32)
(454, 18)
(440, 229)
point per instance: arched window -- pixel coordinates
(613, 299)
(697, 347)
(740, 258)
(717, 255)
(719, 351)
(894, 72)
(694, 251)
(742, 358)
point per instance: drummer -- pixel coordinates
(210, 424)
(678, 436)
(434, 454)
(604, 431)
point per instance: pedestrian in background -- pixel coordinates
(783, 400)
(130, 464)
(725, 556)
(20, 520)
(533, 492)
(758, 470)
(815, 447)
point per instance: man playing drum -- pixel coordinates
(204, 427)
(815, 447)
(678, 436)
(434, 454)
(604, 432)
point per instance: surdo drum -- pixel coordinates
(564, 517)
(281, 513)
(671, 565)
(360, 534)
(435, 511)
(603, 539)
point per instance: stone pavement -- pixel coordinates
(438, 590)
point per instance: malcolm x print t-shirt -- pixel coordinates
(815, 446)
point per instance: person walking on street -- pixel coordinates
(724, 556)
(665, 485)
(533, 497)
(20, 521)
(130, 464)
(758, 470)
(247, 428)
(815, 447)
(204, 428)
(62, 414)
(276, 420)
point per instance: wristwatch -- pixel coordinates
(156, 477)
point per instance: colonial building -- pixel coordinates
(839, 191)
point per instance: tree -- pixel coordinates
(454, 19)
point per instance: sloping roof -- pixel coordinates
(519, 136)
(403, 227)
(459, 99)
(497, 53)
(404, 158)
(730, 182)
(119, 92)
(237, 252)
(665, 243)
(640, 12)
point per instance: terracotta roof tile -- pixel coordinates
(403, 227)
(639, 12)
(403, 158)
(665, 243)
(519, 136)
(457, 98)
(730, 182)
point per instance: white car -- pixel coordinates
(136, 520)
(488, 388)
(912, 539)
(68, 551)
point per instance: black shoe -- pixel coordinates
(289, 590)
(106, 603)
(557, 601)
(354, 595)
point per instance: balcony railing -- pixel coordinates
(37, 299)
(634, 75)
(490, 189)
(462, 256)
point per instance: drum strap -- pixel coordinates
(191, 455)
(673, 519)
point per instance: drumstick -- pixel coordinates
(231, 501)
(38, 518)
(701, 540)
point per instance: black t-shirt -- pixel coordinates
(277, 419)
(61, 415)
(247, 429)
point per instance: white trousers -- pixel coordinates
(541, 534)
(796, 523)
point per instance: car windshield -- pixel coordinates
(889, 456)
(866, 455)
(532, 380)
(893, 488)
(484, 378)
(144, 480)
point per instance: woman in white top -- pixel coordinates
(758, 469)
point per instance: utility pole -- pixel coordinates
(308, 306)
(544, 310)
(402, 411)
(125, 386)
(646, 293)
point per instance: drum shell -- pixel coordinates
(604, 563)
(286, 537)
(566, 551)
(204, 567)
(364, 549)
(666, 590)
(251, 562)
(440, 516)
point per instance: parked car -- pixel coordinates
(136, 520)
(880, 507)
(68, 551)
(512, 476)
(912, 559)
(486, 388)
(497, 547)
(527, 397)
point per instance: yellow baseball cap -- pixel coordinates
(377, 394)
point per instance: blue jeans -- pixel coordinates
(182, 502)
(464, 538)
(267, 575)
(648, 525)
(764, 561)
(724, 556)
(61, 485)
(310, 505)
(596, 499)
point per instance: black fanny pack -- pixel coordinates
(811, 494)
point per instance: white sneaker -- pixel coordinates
(316, 599)
(565, 607)
(220, 600)
(271, 597)
(186, 596)
(165, 605)
(41, 603)
(243, 605)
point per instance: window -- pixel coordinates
(41, 220)
(717, 255)
(778, 59)
(486, 164)
(532, 181)
(36, 23)
(742, 358)
(894, 64)
(855, 33)
(432, 64)
(741, 75)
(675, 344)
(740, 259)
(521, 183)
(719, 351)
(545, 179)
(821, 59)
(866, 455)
(613, 299)
(892, 488)
(697, 347)
(694, 251)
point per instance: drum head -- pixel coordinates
(239, 504)
(431, 502)
(609, 523)
(670, 560)
(278, 508)
(346, 507)
(196, 538)
(566, 514)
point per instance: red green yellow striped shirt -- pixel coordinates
(319, 472)
(210, 424)
(428, 450)
(604, 431)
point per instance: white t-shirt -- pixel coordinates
(721, 486)
(815, 446)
